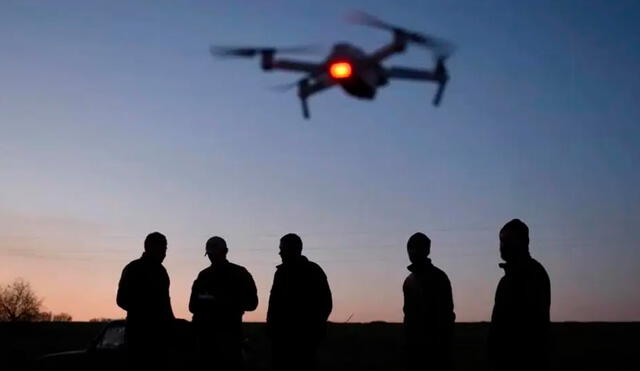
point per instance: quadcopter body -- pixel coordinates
(360, 74)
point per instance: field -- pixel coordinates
(373, 346)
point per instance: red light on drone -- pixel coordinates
(340, 70)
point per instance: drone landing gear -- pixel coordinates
(303, 93)
(306, 88)
(442, 77)
(305, 108)
(438, 97)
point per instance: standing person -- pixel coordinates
(143, 292)
(519, 332)
(299, 306)
(219, 297)
(428, 309)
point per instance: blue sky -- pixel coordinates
(115, 122)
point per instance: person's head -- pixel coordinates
(418, 248)
(155, 246)
(514, 240)
(290, 247)
(216, 249)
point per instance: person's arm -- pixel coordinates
(250, 301)
(326, 300)
(498, 318)
(123, 298)
(447, 296)
(167, 298)
(273, 310)
(534, 305)
(170, 312)
(541, 297)
(410, 304)
(193, 299)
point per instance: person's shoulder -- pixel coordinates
(439, 273)
(535, 263)
(136, 269)
(504, 283)
(410, 281)
(314, 270)
(132, 265)
(205, 272)
(315, 267)
(538, 269)
(237, 268)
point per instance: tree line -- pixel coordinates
(19, 303)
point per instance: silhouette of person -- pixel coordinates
(219, 297)
(519, 332)
(143, 292)
(428, 309)
(299, 306)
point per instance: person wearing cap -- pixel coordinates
(519, 331)
(220, 295)
(428, 309)
(299, 306)
(143, 291)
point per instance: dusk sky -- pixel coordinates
(115, 121)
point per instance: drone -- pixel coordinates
(360, 74)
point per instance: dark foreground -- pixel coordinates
(374, 346)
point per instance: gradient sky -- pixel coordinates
(115, 122)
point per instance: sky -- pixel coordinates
(115, 122)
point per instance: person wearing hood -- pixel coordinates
(519, 332)
(143, 291)
(299, 306)
(428, 309)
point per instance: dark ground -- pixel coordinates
(374, 346)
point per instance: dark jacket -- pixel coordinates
(221, 294)
(519, 332)
(428, 305)
(300, 302)
(143, 292)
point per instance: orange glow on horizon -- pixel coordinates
(340, 70)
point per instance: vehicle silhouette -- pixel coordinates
(108, 351)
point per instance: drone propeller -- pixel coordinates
(440, 47)
(224, 51)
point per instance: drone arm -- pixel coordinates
(398, 45)
(411, 74)
(290, 65)
(438, 75)
(385, 52)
